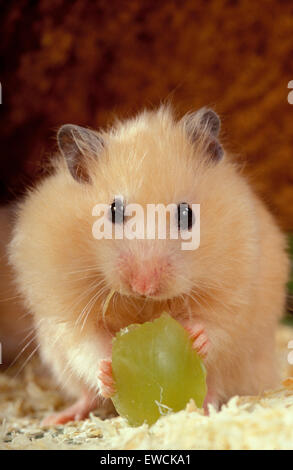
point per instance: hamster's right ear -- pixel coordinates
(76, 145)
(204, 121)
(203, 128)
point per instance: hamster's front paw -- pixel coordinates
(107, 383)
(198, 335)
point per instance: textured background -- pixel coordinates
(85, 61)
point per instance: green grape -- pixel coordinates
(155, 370)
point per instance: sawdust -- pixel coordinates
(264, 422)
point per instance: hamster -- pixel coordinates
(229, 293)
(16, 327)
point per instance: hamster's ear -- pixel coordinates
(76, 145)
(203, 127)
(203, 121)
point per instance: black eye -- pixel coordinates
(185, 216)
(117, 211)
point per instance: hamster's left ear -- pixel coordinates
(203, 128)
(78, 144)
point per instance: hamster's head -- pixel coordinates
(138, 186)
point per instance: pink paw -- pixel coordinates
(107, 383)
(198, 335)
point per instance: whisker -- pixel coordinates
(88, 305)
(7, 299)
(81, 297)
(93, 302)
(27, 360)
(21, 352)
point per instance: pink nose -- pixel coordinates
(145, 284)
(148, 277)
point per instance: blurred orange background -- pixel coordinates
(86, 61)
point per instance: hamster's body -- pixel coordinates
(16, 331)
(229, 293)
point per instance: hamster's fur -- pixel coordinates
(233, 285)
(16, 329)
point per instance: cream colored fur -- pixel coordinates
(234, 283)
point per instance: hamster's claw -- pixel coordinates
(78, 411)
(198, 335)
(107, 383)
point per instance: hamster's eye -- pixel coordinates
(185, 216)
(117, 211)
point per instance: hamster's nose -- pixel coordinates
(147, 280)
(147, 277)
(145, 284)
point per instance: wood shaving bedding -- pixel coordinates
(264, 422)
